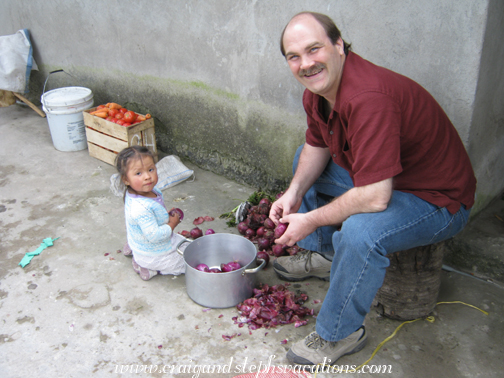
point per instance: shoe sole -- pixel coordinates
(296, 278)
(295, 359)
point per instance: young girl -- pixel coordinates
(150, 229)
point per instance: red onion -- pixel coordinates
(178, 211)
(280, 229)
(209, 232)
(292, 250)
(215, 270)
(268, 223)
(196, 233)
(263, 255)
(230, 266)
(250, 233)
(263, 243)
(256, 220)
(263, 209)
(242, 227)
(260, 231)
(277, 250)
(265, 201)
(269, 234)
(202, 268)
(279, 195)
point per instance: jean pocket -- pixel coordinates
(454, 224)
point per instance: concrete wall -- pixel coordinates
(221, 93)
(486, 138)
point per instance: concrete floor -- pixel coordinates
(79, 310)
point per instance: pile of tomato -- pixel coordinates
(116, 113)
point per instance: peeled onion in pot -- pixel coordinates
(230, 266)
(202, 268)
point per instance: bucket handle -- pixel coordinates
(43, 90)
(181, 253)
(255, 270)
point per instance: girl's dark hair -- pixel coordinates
(124, 157)
(329, 26)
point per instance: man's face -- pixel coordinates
(313, 59)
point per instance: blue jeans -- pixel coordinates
(358, 250)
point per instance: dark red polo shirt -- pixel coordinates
(386, 125)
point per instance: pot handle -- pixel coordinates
(255, 270)
(181, 253)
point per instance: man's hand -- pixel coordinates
(370, 198)
(284, 206)
(299, 227)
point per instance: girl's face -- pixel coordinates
(141, 175)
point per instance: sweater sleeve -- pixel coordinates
(148, 223)
(152, 231)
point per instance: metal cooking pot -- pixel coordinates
(220, 290)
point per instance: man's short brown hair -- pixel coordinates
(327, 23)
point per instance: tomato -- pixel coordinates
(120, 122)
(119, 115)
(123, 110)
(130, 116)
(111, 119)
(126, 124)
(100, 107)
(113, 112)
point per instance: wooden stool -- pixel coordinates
(411, 284)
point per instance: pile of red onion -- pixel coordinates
(271, 306)
(260, 229)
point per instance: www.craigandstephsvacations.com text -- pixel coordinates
(247, 367)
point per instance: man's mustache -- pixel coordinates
(317, 67)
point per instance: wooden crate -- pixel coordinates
(106, 139)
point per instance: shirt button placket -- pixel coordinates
(331, 133)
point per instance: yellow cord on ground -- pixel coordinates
(430, 319)
(466, 304)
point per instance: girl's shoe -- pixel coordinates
(127, 250)
(147, 274)
(136, 267)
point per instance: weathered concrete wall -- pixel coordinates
(221, 93)
(486, 138)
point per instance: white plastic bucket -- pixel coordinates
(64, 107)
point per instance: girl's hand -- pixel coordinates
(174, 219)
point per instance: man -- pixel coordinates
(382, 170)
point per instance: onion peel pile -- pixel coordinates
(272, 306)
(200, 220)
